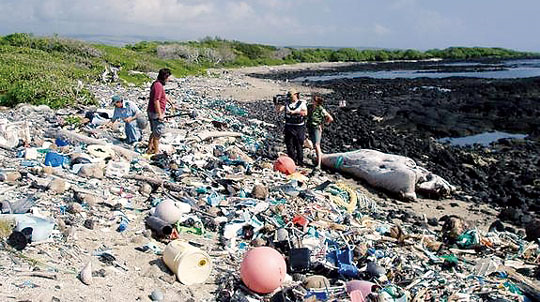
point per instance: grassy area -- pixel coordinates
(48, 70)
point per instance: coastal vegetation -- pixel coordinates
(54, 70)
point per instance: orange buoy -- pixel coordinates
(285, 165)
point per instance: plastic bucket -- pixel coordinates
(188, 263)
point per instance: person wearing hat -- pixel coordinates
(129, 113)
(295, 131)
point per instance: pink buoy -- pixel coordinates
(285, 165)
(356, 296)
(263, 269)
(365, 287)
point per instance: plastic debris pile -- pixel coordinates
(224, 222)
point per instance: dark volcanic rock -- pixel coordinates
(415, 112)
(533, 230)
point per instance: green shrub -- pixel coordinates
(46, 70)
(37, 77)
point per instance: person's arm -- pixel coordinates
(328, 117)
(113, 120)
(135, 112)
(280, 108)
(170, 101)
(131, 118)
(157, 106)
(302, 110)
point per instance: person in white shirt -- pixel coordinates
(295, 129)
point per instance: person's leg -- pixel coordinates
(151, 149)
(289, 142)
(300, 136)
(317, 135)
(311, 138)
(159, 130)
(132, 132)
(156, 145)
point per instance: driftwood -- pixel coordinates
(528, 286)
(157, 182)
(213, 134)
(73, 136)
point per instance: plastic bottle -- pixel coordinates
(123, 223)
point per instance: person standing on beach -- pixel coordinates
(317, 116)
(295, 130)
(156, 110)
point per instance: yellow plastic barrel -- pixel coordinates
(188, 263)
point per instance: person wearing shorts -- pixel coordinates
(156, 110)
(317, 116)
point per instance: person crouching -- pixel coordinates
(127, 112)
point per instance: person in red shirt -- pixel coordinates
(156, 110)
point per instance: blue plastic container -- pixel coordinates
(54, 159)
(60, 142)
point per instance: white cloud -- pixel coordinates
(381, 30)
(387, 23)
(238, 10)
(144, 12)
(400, 4)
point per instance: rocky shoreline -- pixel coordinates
(406, 116)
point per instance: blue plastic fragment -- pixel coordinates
(343, 259)
(320, 295)
(214, 199)
(54, 159)
(60, 142)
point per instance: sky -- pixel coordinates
(416, 24)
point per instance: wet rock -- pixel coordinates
(86, 274)
(433, 221)
(10, 176)
(533, 231)
(89, 224)
(316, 282)
(58, 186)
(375, 269)
(92, 171)
(75, 208)
(157, 295)
(260, 192)
(453, 226)
(145, 189)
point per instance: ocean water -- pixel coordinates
(512, 69)
(483, 139)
